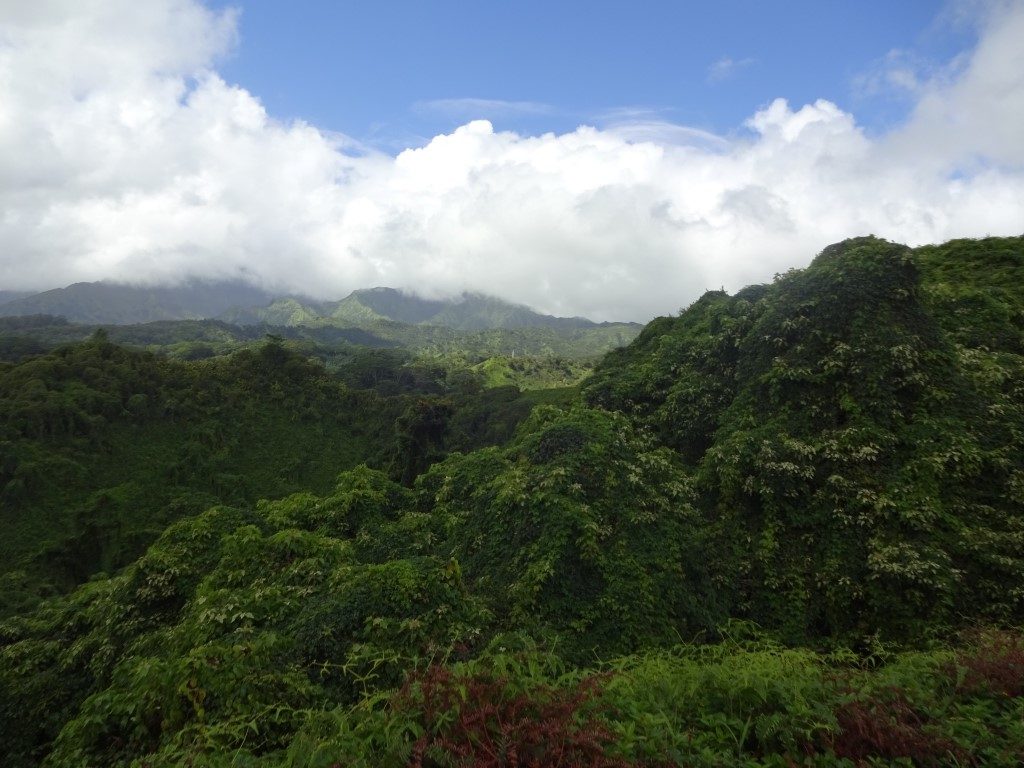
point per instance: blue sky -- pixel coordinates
(398, 73)
(606, 160)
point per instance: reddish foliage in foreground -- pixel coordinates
(995, 665)
(889, 727)
(476, 721)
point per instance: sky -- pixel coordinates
(396, 74)
(611, 160)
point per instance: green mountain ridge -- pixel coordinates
(472, 327)
(115, 303)
(385, 304)
(473, 324)
(372, 306)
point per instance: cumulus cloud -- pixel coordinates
(123, 155)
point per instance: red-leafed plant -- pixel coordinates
(993, 665)
(888, 726)
(479, 720)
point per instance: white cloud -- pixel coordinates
(665, 133)
(644, 124)
(898, 74)
(978, 113)
(124, 155)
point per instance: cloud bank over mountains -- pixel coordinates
(123, 155)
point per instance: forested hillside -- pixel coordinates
(872, 460)
(785, 527)
(103, 446)
(22, 336)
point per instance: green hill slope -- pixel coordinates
(853, 455)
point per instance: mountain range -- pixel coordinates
(468, 312)
(122, 304)
(242, 304)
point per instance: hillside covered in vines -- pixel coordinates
(785, 527)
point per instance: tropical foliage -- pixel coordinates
(785, 527)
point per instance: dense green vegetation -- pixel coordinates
(192, 339)
(103, 446)
(872, 463)
(783, 528)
